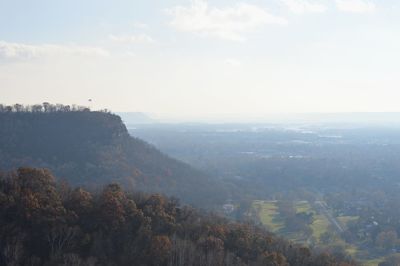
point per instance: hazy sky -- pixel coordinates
(198, 58)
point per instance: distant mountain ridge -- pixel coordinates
(94, 148)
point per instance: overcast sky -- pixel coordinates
(201, 58)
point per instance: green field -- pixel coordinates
(320, 225)
(302, 206)
(268, 214)
(346, 219)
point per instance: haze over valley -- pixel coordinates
(199, 133)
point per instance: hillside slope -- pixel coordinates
(94, 148)
(42, 223)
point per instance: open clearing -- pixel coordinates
(345, 220)
(268, 213)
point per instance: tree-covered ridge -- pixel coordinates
(45, 223)
(45, 107)
(92, 148)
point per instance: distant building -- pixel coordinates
(228, 208)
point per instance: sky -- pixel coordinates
(203, 58)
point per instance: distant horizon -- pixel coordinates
(311, 117)
(363, 117)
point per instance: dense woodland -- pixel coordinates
(94, 148)
(47, 223)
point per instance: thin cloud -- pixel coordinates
(233, 62)
(21, 51)
(356, 6)
(140, 25)
(132, 39)
(229, 23)
(304, 6)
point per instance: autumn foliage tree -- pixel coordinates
(47, 223)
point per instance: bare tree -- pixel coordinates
(18, 107)
(37, 108)
(46, 106)
(60, 238)
(13, 251)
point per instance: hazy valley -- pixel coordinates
(326, 185)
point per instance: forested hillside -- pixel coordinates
(94, 148)
(42, 223)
